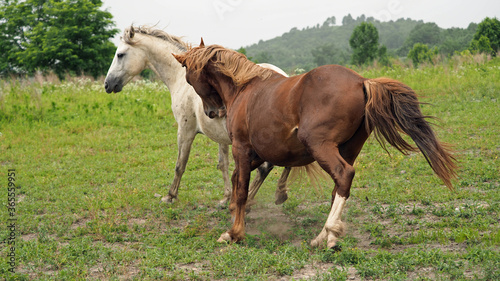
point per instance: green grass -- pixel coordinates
(90, 167)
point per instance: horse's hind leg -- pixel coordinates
(224, 167)
(342, 173)
(261, 174)
(281, 190)
(184, 142)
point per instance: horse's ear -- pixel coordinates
(181, 59)
(202, 44)
(132, 32)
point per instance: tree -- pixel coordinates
(383, 57)
(329, 22)
(482, 45)
(347, 20)
(364, 43)
(489, 28)
(421, 53)
(425, 33)
(65, 36)
(242, 51)
(456, 40)
(329, 54)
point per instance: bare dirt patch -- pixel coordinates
(80, 223)
(268, 218)
(29, 237)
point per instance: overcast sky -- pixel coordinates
(237, 23)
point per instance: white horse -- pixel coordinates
(145, 47)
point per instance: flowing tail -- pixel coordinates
(312, 171)
(391, 108)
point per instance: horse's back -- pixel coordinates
(333, 90)
(333, 77)
(332, 103)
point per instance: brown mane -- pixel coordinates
(228, 62)
(129, 32)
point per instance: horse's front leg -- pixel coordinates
(185, 139)
(244, 163)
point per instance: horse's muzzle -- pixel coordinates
(212, 113)
(112, 86)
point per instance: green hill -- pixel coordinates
(294, 49)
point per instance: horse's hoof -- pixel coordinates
(224, 238)
(335, 248)
(167, 199)
(314, 243)
(281, 198)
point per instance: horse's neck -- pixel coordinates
(228, 91)
(161, 61)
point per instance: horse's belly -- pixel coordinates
(287, 151)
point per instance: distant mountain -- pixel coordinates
(294, 49)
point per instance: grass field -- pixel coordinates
(90, 169)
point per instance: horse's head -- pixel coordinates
(129, 61)
(202, 82)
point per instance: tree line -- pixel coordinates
(363, 40)
(425, 41)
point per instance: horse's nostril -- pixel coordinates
(106, 85)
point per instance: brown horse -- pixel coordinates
(324, 115)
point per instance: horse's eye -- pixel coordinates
(120, 55)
